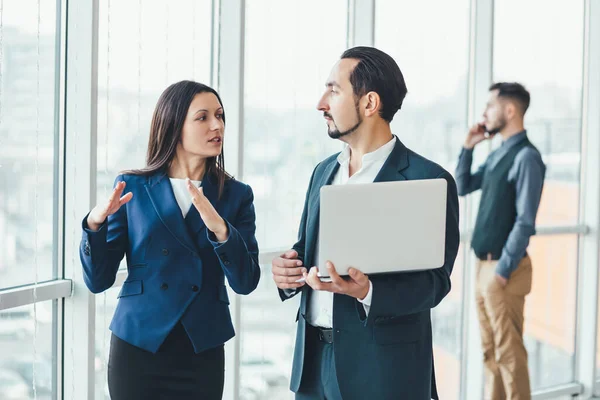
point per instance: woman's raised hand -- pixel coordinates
(99, 213)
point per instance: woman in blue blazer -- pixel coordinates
(184, 225)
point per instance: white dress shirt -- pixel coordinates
(320, 307)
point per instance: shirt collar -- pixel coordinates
(513, 140)
(380, 154)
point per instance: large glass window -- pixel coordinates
(545, 54)
(433, 58)
(540, 44)
(143, 48)
(286, 67)
(550, 310)
(267, 342)
(28, 141)
(285, 137)
(27, 355)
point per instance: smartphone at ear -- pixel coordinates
(486, 133)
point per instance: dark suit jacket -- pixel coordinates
(387, 355)
(176, 268)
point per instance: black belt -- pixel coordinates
(325, 334)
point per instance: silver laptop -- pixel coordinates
(383, 227)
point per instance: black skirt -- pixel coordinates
(175, 372)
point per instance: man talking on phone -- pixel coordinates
(511, 181)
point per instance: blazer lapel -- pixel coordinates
(312, 231)
(163, 199)
(396, 162)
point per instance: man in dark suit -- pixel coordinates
(364, 337)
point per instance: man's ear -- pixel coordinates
(372, 104)
(510, 110)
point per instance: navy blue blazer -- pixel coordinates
(175, 267)
(389, 354)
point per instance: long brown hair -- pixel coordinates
(165, 132)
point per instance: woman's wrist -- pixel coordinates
(223, 233)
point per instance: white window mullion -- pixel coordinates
(229, 82)
(80, 192)
(24, 295)
(361, 23)
(480, 77)
(589, 245)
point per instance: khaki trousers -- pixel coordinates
(500, 311)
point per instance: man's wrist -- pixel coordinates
(363, 295)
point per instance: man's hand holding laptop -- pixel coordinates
(355, 285)
(289, 273)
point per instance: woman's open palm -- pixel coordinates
(99, 213)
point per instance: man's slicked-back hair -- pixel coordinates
(377, 72)
(515, 92)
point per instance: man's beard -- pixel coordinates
(336, 133)
(501, 125)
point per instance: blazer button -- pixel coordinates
(164, 286)
(195, 288)
(165, 252)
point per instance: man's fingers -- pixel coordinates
(314, 282)
(283, 271)
(358, 276)
(336, 279)
(290, 254)
(285, 263)
(293, 271)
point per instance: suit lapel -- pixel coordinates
(396, 162)
(163, 199)
(312, 231)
